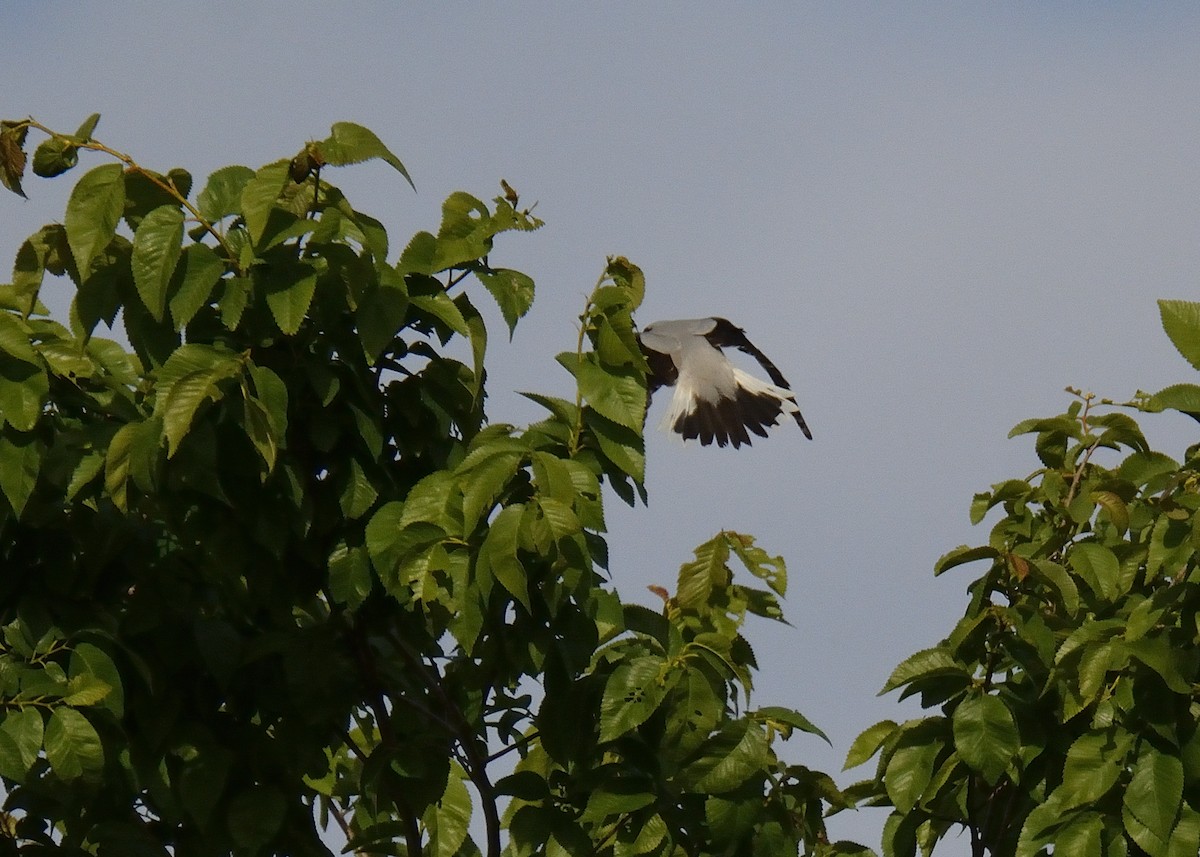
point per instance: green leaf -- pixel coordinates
(24, 729)
(867, 744)
(621, 446)
(778, 715)
(290, 291)
(707, 572)
(1094, 763)
(1080, 838)
(483, 483)
(620, 397)
(499, 553)
(92, 661)
(192, 375)
(1178, 397)
(93, 212)
(1154, 795)
(985, 735)
(513, 292)
(1181, 321)
(23, 390)
(924, 664)
(349, 143)
(1060, 580)
(358, 494)
(963, 554)
(910, 768)
(73, 747)
(439, 306)
(1098, 566)
(381, 315)
(350, 579)
(222, 195)
(20, 463)
(1170, 663)
(200, 271)
(156, 248)
(15, 339)
(448, 819)
(260, 195)
(1185, 838)
(722, 768)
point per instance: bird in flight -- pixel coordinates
(714, 400)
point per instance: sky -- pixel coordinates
(932, 217)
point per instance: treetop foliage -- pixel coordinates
(1066, 697)
(271, 571)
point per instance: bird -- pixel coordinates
(713, 399)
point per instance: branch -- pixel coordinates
(166, 186)
(465, 734)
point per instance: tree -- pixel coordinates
(273, 570)
(1067, 695)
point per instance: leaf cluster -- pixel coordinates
(272, 571)
(1067, 706)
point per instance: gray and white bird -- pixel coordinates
(714, 400)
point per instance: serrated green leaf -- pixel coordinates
(707, 572)
(358, 494)
(513, 292)
(290, 291)
(483, 483)
(620, 397)
(93, 212)
(197, 275)
(222, 194)
(193, 374)
(349, 143)
(1058, 578)
(156, 249)
(15, 339)
(632, 693)
(23, 390)
(985, 735)
(350, 579)
(1098, 566)
(910, 768)
(1094, 763)
(868, 742)
(924, 664)
(259, 197)
(20, 464)
(1181, 321)
(721, 767)
(12, 155)
(1155, 793)
(777, 714)
(961, 555)
(448, 819)
(499, 553)
(621, 446)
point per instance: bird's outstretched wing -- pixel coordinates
(726, 334)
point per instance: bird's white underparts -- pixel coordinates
(713, 399)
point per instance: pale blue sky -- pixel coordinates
(932, 216)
